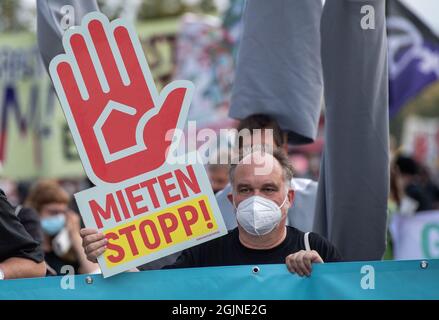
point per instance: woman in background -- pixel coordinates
(62, 243)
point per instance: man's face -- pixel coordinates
(270, 184)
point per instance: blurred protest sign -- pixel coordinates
(205, 57)
(34, 138)
(417, 236)
(206, 50)
(146, 207)
(421, 139)
(32, 120)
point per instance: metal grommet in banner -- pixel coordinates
(88, 280)
(255, 270)
(424, 264)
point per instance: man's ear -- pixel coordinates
(230, 197)
(291, 196)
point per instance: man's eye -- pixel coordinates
(269, 190)
(244, 190)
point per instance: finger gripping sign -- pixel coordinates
(146, 207)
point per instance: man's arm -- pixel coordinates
(30, 220)
(20, 254)
(14, 268)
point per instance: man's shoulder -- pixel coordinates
(294, 231)
(296, 236)
(317, 238)
(324, 247)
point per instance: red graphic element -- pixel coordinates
(206, 214)
(421, 148)
(138, 96)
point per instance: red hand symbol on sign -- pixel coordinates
(118, 120)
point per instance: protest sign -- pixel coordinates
(415, 237)
(146, 207)
(420, 138)
(34, 137)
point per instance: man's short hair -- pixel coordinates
(278, 154)
(261, 121)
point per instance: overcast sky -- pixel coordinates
(427, 10)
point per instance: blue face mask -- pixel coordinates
(52, 225)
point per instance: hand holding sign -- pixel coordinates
(117, 118)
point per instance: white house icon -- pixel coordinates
(97, 128)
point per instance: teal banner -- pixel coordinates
(413, 279)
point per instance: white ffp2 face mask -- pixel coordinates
(258, 215)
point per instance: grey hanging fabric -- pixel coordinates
(279, 69)
(353, 187)
(49, 23)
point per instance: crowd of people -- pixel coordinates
(48, 222)
(44, 233)
(269, 216)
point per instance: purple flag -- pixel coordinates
(413, 55)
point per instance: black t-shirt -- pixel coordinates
(228, 250)
(56, 263)
(15, 241)
(31, 222)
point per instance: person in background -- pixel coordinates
(218, 170)
(60, 225)
(396, 194)
(301, 213)
(430, 187)
(415, 197)
(20, 255)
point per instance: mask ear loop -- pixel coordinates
(285, 200)
(233, 202)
